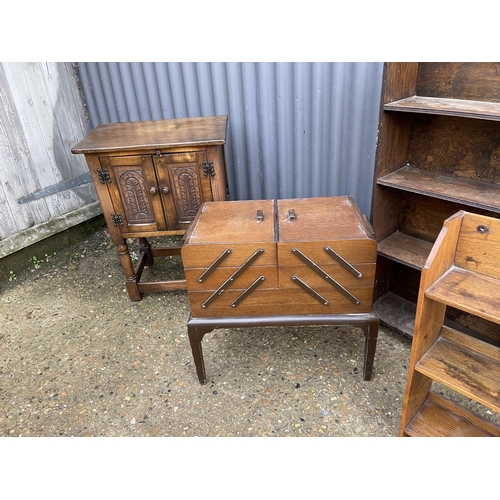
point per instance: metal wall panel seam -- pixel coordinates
(140, 90)
(238, 167)
(88, 91)
(103, 83)
(152, 91)
(167, 106)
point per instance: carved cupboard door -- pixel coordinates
(184, 181)
(134, 193)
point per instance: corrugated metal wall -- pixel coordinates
(295, 129)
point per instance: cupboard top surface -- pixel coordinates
(157, 134)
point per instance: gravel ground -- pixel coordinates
(78, 358)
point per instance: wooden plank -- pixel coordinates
(154, 234)
(466, 365)
(400, 80)
(335, 218)
(40, 115)
(422, 216)
(469, 291)
(429, 317)
(161, 286)
(355, 251)
(478, 81)
(478, 247)
(469, 342)
(405, 249)
(218, 187)
(405, 281)
(396, 312)
(203, 256)
(440, 417)
(233, 222)
(456, 146)
(37, 121)
(70, 126)
(449, 107)
(23, 238)
(166, 251)
(472, 325)
(221, 274)
(459, 190)
(338, 273)
(278, 302)
(133, 136)
(17, 169)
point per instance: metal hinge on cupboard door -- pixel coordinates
(104, 175)
(208, 169)
(117, 219)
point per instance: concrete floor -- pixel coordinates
(78, 358)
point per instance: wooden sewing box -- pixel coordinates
(280, 262)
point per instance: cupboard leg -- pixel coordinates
(131, 277)
(145, 248)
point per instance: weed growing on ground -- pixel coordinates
(37, 262)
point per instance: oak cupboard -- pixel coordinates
(151, 178)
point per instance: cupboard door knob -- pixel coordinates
(165, 190)
(152, 190)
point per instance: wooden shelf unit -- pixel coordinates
(463, 271)
(451, 107)
(438, 152)
(406, 249)
(444, 186)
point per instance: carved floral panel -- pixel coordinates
(135, 197)
(187, 192)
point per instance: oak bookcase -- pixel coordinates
(438, 152)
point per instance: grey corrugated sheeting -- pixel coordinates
(295, 129)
